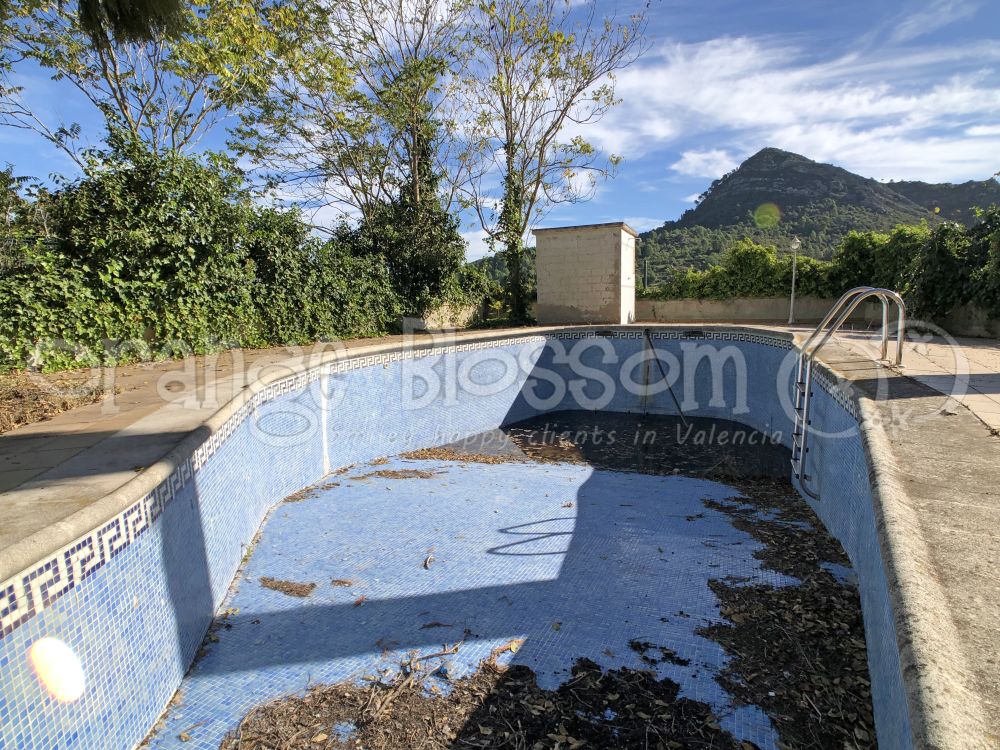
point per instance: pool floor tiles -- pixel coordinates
(575, 561)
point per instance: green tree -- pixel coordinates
(166, 93)
(538, 67)
(107, 21)
(417, 239)
(353, 112)
(129, 20)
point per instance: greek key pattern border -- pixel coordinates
(33, 590)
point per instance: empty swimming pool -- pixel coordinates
(645, 554)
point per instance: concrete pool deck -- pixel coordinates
(941, 514)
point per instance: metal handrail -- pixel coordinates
(845, 306)
(885, 295)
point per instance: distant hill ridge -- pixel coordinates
(776, 194)
(792, 182)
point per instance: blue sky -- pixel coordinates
(888, 89)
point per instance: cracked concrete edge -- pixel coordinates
(944, 712)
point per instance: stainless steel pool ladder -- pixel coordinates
(836, 318)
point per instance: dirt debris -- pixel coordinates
(448, 454)
(491, 708)
(661, 654)
(798, 651)
(291, 588)
(396, 474)
(28, 397)
(309, 492)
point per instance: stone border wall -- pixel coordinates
(748, 310)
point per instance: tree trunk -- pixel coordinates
(518, 304)
(511, 215)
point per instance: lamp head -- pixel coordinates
(796, 243)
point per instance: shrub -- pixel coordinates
(985, 253)
(936, 270)
(749, 270)
(171, 254)
(940, 276)
(419, 243)
(159, 238)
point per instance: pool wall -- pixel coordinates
(133, 597)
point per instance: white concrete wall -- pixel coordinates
(586, 274)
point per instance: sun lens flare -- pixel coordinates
(57, 668)
(767, 215)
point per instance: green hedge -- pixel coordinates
(935, 269)
(749, 270)
(170, 254)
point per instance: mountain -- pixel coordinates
(775, 195)
(951, 201)
(794, 184)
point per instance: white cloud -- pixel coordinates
(692, 198)
(711, 163)
(888, 113)
(935, 16)
(475, 244)
(642, 223)
(977, 131)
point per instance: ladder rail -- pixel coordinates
(838, 315)
(886, 295)
(844, 299)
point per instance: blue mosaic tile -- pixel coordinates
(510, 561)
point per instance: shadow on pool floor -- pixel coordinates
(575, 561)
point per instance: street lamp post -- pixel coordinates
(796, 244)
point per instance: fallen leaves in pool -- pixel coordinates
(396, 474)
(661, 654)
(309, 492)
(447, 454)
(291, 588)
(797, 651)
(496, 707)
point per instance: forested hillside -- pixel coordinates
(776, 195)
